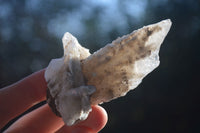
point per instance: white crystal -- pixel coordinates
(66, 83)
(113, 70)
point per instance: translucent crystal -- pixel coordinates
(78, 80)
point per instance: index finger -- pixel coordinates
(17, 98)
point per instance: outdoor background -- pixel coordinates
(167, 100)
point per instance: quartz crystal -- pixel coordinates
(80, 79)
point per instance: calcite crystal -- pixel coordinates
(78, 80)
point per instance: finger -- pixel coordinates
(41, 120)
(20, 96)
(96, 120)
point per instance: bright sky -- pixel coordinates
(110, 17)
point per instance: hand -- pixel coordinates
(17, 98)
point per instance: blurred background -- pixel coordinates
(167, 100)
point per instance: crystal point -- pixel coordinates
(78, 79)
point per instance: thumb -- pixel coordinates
(96, 120)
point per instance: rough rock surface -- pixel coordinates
(113, 70)
(121, 65)
(67, 94)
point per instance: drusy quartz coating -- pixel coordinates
(78, 79)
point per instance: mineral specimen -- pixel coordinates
(78, 80)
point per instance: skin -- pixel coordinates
(17, 98)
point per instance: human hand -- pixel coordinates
(17, 98)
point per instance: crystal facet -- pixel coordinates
(78, 79)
